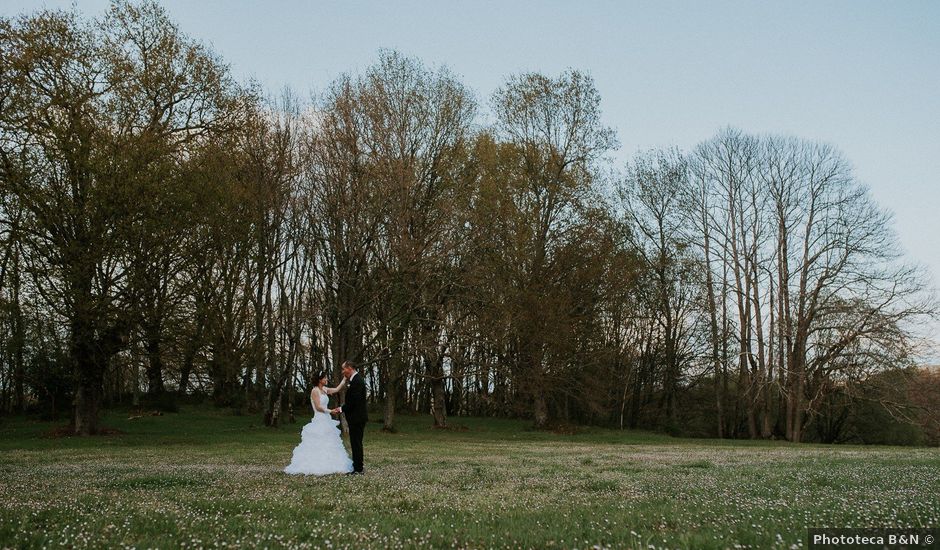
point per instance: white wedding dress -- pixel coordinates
(321, 450)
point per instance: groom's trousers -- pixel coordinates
(356, 431)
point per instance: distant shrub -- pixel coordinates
(924, 393)
(872, 424)
(163, 402)
(895, 407)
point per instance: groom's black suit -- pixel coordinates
(356, 415)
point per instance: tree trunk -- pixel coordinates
(438, 401)
(18, 342)
(82, 347)
(713, 328)
(18, 338)
(390, 397)
(540, 410)
(87, 399)
(795, 405)
(394, 379)
(88, 376)
(155, 363)
(185, 371)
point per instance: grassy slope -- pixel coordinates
(204, 478)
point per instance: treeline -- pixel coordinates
(168, 232)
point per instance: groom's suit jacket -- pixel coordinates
(355, 406)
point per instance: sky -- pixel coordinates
(862, 75)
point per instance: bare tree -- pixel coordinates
(652, 196)
(802, 239)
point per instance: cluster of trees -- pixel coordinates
(166, 231)
(772, 263)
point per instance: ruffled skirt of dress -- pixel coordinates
(321, 450)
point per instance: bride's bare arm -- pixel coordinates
(337, 389)
(315, 400)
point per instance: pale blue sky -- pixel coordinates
(863, 75)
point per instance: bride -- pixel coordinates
(321, 449)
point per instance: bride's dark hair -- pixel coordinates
(320, 376)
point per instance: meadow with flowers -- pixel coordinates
(203, 478)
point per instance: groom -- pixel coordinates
(355, 411)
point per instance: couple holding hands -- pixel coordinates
(321, 450)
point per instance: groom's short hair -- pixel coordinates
(348, 363)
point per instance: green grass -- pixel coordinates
(203, 478)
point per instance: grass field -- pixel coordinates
(202, 478)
